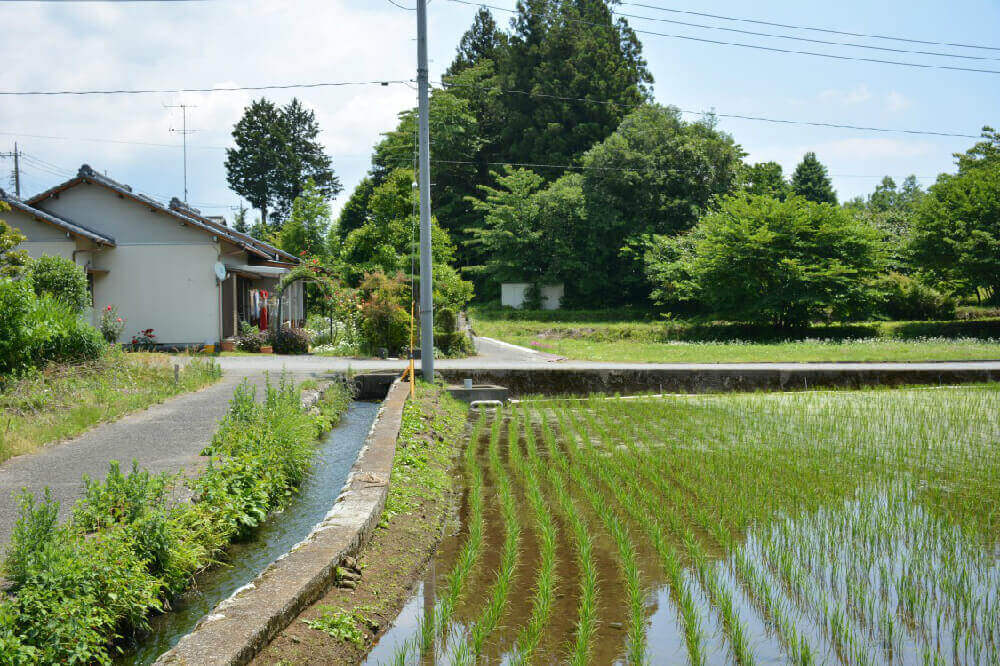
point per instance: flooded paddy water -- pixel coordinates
(334, 457)
(852, 527)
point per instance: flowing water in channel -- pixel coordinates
(244, 561)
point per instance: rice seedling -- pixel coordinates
(855, 527)
(588, 590)
(496, 599)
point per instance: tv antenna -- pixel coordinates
(184, 131)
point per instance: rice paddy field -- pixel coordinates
(857, 527)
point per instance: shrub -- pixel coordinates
(62, 279)
(112, 324)
(65, 337)
(18, 333)
(903, 298)
(144, 340)
(290, 340)
(251, 338)
(761, 260)
(384, 322)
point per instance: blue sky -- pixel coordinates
(94, 45)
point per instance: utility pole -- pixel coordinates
(426, 276)
(183, 132)
(17, 173)
(16, 176)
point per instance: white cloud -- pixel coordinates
(857, 95)
(897, 101)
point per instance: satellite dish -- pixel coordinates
(220, 271)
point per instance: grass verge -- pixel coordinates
(420, 501)
(63, 401)
(677, 342)
(78, 587)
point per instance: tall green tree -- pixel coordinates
(511, 238)
(277, 150)
(240, 223)
(354, 213)
(306, 229)
(562, 51)
(657, 174)
(765, 178)
(810, 180)
(956, 230)
(483, 41)
(891, 210)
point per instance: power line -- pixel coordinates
(803, 39)
(813, 28)
(143, 91)
(720, 115)
(772, 49)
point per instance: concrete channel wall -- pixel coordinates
(556, 379)
(241, 626)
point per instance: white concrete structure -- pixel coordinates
(513, 294)
(155, 263)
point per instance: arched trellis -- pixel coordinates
(313, 272)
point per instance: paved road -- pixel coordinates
(164, 438)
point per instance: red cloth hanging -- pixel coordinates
(263, 318)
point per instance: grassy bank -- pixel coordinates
(680, 342)
(127, 550)
(828, 527)
(340, 627)
(63, 401)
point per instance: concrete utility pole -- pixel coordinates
(16, 176)
(426, 277)
(17, 173)
(183, 132)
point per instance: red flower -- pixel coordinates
(109, 308)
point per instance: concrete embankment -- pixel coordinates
(573, 379)
(239, 627)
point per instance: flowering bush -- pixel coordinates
(251, 338)
(144, 340)
(112, 325)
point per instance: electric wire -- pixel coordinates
(759, 47)
(144, 91)
(812, 28)
(756, 33)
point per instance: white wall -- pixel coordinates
(169, 288)
(125, 220)
(513, 294)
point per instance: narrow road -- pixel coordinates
(164, 438)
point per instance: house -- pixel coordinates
(167, 267)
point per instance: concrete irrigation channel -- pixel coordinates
(241, 624)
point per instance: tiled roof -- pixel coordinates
(175, 209)
(62, 223)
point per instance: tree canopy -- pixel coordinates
(277, 151)
(811, 181)
(956, 228)
(762, 260)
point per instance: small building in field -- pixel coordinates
(187, 276)
(515, 294)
